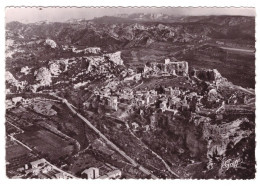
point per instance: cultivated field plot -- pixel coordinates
(15, 150)
(64, 121)
(16, 157)
(46, 142)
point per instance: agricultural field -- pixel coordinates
(15, 150)
(47, 143)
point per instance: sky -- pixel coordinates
(61, 14)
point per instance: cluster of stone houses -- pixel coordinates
(141, 98)
(171, 99)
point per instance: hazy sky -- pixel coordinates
(28, 15)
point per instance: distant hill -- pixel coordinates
(138, 29)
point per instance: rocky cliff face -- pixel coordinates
(14, 84)
(115, 57)
(51, 43)
(58, 66)
(43, 78)
(220, 136)
(209, 75)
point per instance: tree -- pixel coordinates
(160, 90)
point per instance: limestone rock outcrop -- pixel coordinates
(51, 43)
